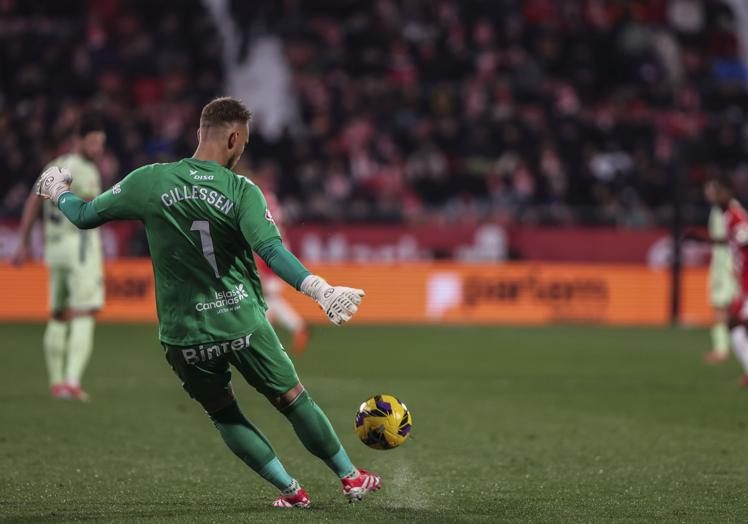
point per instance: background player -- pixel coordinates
(74, 259)
(722, 283)
(280, 311)
(203, 222)
(736, 221)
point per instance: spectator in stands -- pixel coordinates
(536, 111)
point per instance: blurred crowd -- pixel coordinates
(534, 111)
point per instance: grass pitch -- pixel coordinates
(566, 424)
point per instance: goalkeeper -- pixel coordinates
(203, 222)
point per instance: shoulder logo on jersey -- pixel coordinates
(117, 189)
(269, 216)
(195, 176)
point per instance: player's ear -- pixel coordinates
(233, 137)
(198, 135)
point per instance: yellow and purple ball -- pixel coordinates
(383, 422)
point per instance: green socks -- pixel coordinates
(55, 338)
(247, 443)
(80, 345)
(276, 474)
(341, 464)
(309, 422)
(720, 339)
(316, 433)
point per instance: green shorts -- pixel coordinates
(260, 358)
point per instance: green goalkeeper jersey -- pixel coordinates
(202, 222)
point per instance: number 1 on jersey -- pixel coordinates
(203, 226)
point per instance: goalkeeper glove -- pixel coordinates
(53, 183)
(339, 303)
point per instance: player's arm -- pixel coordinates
(339, 303)
(124, 201)
(81, 213)
(282, 262)
(31, 211)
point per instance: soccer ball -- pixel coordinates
(383, 422)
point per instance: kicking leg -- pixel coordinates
(318, 436)
(314, 429)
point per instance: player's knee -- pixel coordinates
(227, 414)
(286, 399)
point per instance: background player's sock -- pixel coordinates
(55, 338)
(740, 345)
(247, 443)
(79, 350)
(316, 433)
(720, 338)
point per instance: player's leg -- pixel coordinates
(283, 313)
(266, 366)
(722, 290)
(209, 382)
(720, 336)
(86, 288)
(318, 436)
(739, 334)
(56, 333)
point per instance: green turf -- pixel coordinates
(568, 424)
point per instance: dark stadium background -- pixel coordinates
(527, 115)
(523, 171)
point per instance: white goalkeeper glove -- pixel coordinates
(53, 183)
(339, 303)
